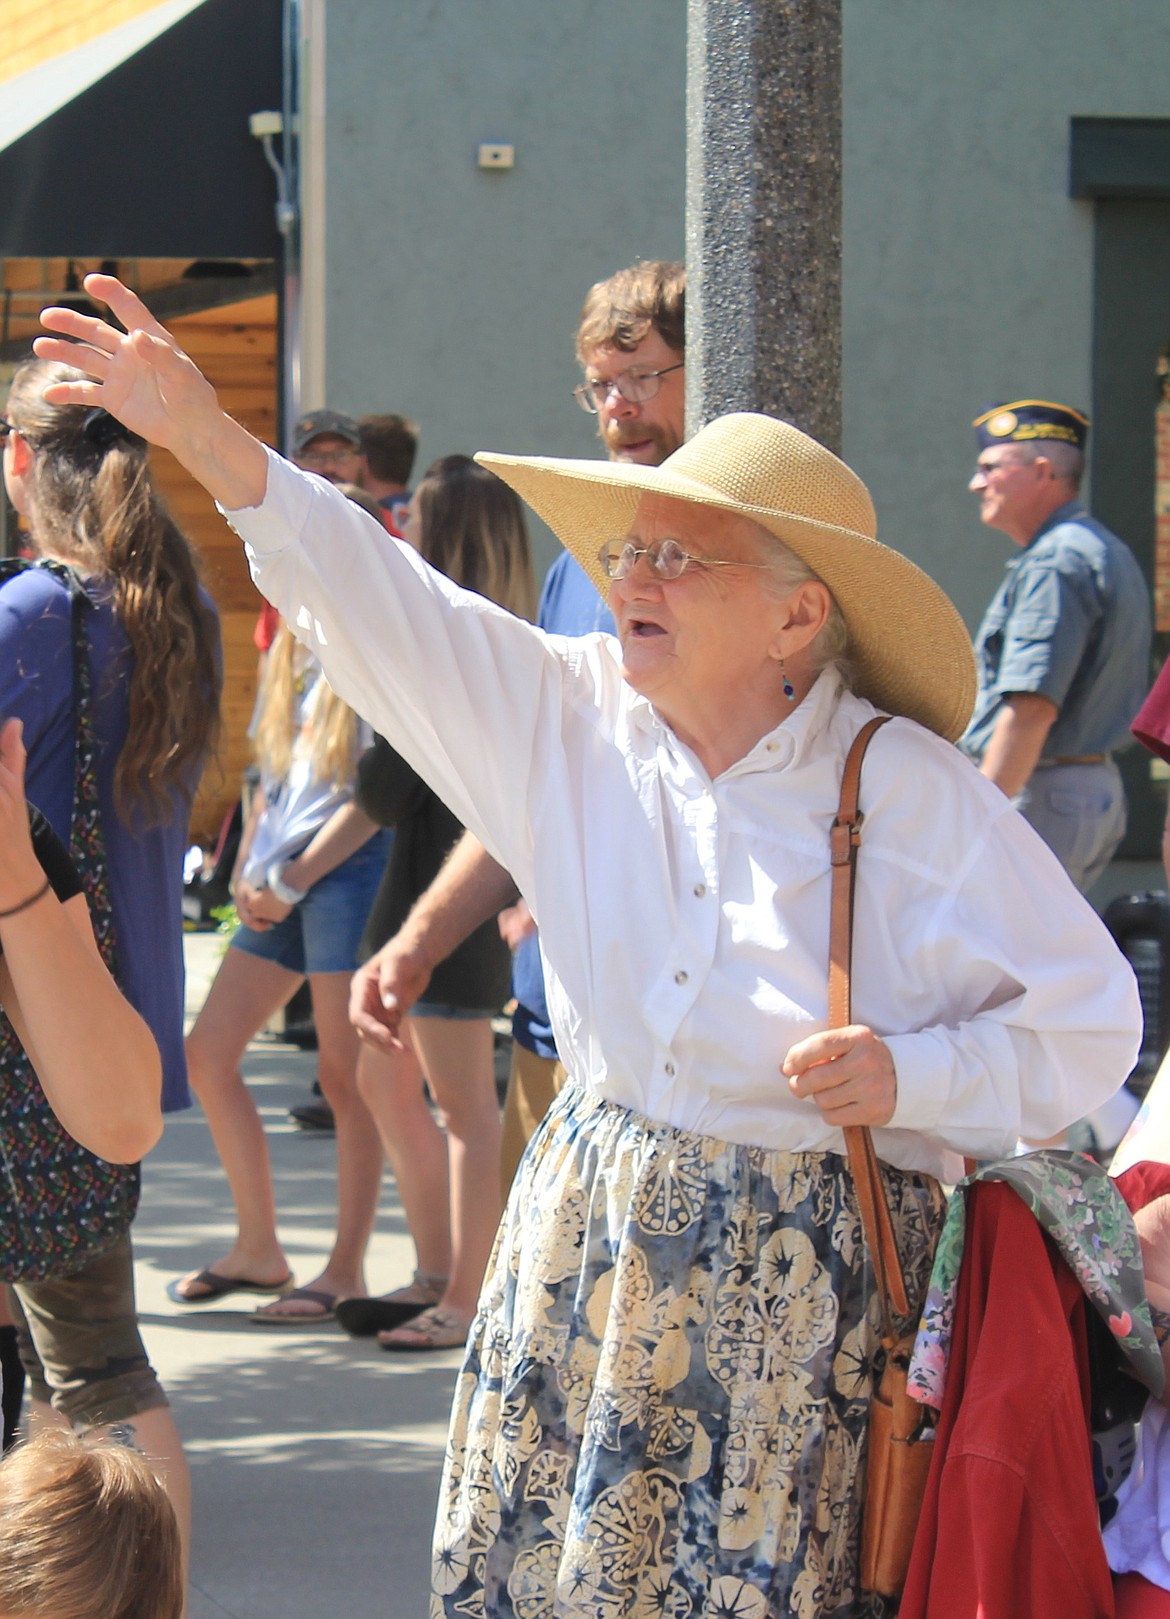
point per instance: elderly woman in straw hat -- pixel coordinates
(663, 1405)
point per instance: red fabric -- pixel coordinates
(1009, 1525)
(1152, 723)
(1137, 1598)
(1142, 1183)
(266, 627)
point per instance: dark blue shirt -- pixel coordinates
(145, 862)
(1070, 622)
(570, 604)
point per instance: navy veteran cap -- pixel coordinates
(1027, 419)
(319, 422)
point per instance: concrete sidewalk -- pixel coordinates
(315, 1457)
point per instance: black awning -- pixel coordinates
(155, 159)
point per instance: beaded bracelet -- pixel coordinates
(25, 904)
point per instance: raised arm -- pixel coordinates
(142, 377)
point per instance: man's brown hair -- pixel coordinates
(622, 310)
(388, 444)
(86, 1532)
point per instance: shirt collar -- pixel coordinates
(798, 732)
(1063, 514)
(786, 744)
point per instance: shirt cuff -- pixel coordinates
(288, 495)
(923, 1085)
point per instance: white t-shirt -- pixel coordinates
(298, 806)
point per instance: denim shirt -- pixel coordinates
(1070, 622)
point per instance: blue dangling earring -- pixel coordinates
(789, 688)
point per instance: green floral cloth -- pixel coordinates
(1080, 1208)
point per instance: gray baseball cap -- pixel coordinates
(318, 422)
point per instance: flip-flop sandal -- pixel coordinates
(326, 1305)
(362, 1317)
(218, 1287)
(435, 1328)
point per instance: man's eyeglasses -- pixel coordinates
(635, 388)
(312, 459)
(988, 469)
(666, 559)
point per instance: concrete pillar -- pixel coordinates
(764, 211)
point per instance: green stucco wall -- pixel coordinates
(452, 293)
(968, 273)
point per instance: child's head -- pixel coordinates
(86, 1532)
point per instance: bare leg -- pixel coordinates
(392, 1085)
(456, 1057)
(153, 1433)
(246, 992)
(359, 1151)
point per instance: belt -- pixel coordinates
(1077, 759)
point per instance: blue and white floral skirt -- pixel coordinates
(663, 1407)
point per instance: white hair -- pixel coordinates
(1066, 460)
(786, 573)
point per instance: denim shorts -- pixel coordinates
(322, 933)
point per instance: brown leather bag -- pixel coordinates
(900, 1443)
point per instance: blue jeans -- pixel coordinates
(322, 933)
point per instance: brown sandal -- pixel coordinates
(435, 1328)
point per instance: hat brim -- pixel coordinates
(909, 646)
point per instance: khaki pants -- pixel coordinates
(533, 1082)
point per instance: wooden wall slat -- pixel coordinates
(236, 348)
(35, 31)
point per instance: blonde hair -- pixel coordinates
(333, 748)
(471, 527)
(86, 1532)
(93, 505)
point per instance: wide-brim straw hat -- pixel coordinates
(910, 649)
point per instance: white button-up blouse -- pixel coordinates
(685, 921)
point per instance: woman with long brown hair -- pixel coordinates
(118, 594)
(470, 527)
(307, 871)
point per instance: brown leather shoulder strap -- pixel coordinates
(863, 1162)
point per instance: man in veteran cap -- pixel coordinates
(1063, 651)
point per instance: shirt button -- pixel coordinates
(670, 1069)
(681, 977)
(772, 746)
(699, 890)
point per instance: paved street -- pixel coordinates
(315, 1456)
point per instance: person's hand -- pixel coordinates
(848, 1073)
(383, 991)
(141, 375)
(246, 895)
(516, 924)
(20, 870)
(268, 908)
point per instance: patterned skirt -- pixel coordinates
(662, 1411)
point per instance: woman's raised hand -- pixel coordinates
(142, 377)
